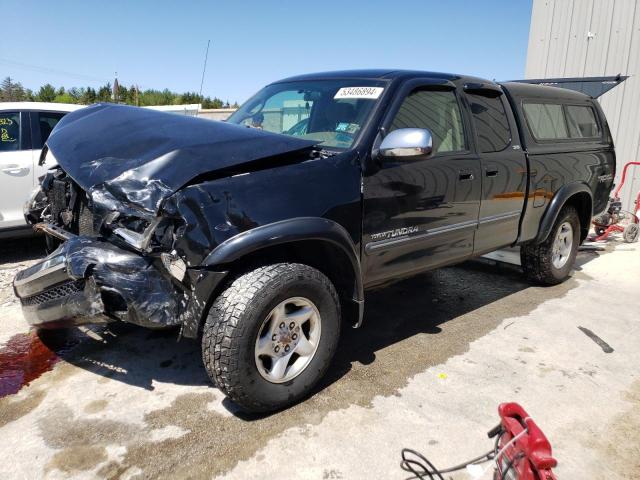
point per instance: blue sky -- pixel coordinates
(161, 44)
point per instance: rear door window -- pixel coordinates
(9, 131)
(490, 120)
(546, 121)
(581, 121)
(44, 124)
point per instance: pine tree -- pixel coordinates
(46, 93)
(11, 91)
(104, 93)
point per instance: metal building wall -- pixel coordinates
(575, 38)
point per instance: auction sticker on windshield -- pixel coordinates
(358, 92)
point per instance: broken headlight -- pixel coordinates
(143, 234)
(149, 235)
(137, 232)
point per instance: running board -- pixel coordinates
(505, 255)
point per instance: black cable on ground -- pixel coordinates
(510, 464)
(423, 469)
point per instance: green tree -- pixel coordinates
(215, 103)
(190, 97)
(46, 93)
(207, 103)
(123, 94)
(88, 96)
(64, 98)
(133, 96)
(104, 93)
(76, 94)
(11, 91)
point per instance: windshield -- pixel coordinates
(332, 112)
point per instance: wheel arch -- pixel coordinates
(576, 194)
(318, 242)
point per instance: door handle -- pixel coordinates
(464, 175)
(491, 173)
(15, 170)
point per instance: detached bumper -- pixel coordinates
(90, 281)
(51, 298)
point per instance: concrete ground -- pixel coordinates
(435, 357)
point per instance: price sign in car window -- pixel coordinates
(9, 131)
(358, 92)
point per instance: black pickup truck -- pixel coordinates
(260, 235)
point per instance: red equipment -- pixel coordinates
(617, 220)
(524, 451)
(520, 452)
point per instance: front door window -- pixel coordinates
(437, 111)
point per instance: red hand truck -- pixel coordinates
(617, 220)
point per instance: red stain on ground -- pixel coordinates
(24, 358)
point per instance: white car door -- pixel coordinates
(16, 167)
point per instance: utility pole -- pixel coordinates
(204, 69)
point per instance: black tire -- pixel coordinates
(537, 259)
(631, 233)
(234, 323)
(599, 230)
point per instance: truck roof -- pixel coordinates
(542, 92)
(381, 74)
(516, 88)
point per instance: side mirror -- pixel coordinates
(407, 142)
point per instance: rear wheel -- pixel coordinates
(551, 261)
(631, 233)
(270, 336)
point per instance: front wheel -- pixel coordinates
(271, 335)
(551, 261)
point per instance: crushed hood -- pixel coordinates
(136, 157)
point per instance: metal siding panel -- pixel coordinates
(620, 36)
(539, 33)
(617, 60)
(598, 45)
(559, 40)
(577, 46)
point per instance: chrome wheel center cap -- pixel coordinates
(288, 339)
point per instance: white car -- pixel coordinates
(24, 127)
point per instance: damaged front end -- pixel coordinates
(114, 247)
(107, 265)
